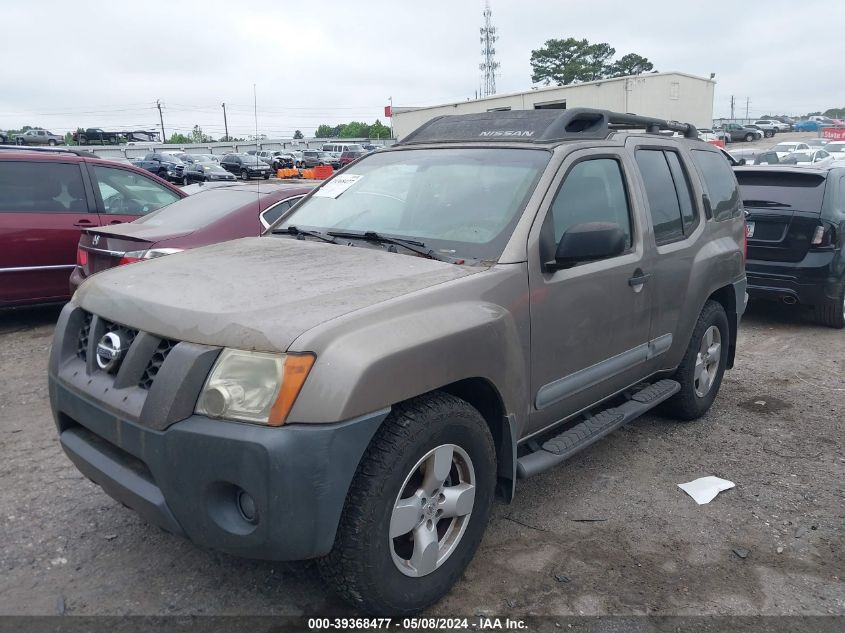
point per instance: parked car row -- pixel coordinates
(817, 152)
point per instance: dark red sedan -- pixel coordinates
(350, 156)
(221, 213)
(47, 197)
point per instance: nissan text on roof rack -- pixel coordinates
(469, 307)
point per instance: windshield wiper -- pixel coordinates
(766, 203)
(301, 233)
(371, 236)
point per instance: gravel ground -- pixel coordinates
(609, 532)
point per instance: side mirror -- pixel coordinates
(588, 242)
(741, 161)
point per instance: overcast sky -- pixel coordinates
(104, 63)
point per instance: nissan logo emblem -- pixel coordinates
(110, 352)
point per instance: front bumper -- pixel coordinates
(187, 473)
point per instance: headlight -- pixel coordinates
(253, 386)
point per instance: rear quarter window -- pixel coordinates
(719, 183)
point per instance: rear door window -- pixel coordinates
(125, 192)
(719, 183)
(41, 187)
(662, 196)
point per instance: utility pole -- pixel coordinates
(161, 118)
(225, 124)
(391, 118)
(747, 106)
(733, 103)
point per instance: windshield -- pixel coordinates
(199, 210)
(459, 202)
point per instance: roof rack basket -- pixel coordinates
(540, 126)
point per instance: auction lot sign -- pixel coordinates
(834, 133)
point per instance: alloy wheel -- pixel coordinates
(707, 361)
(432, 510)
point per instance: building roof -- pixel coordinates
(546, 89)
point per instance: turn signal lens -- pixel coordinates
(296, 370)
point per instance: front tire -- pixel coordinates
(417, 507)
(701, 370)
(244, 175)
(749, 138)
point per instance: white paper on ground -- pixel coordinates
(705, 489)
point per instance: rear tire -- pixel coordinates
(51, 143)
(831, 313)
(244, 175)
(701, 370)
(395, 502)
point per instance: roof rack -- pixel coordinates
(57, 150)
(539, 126)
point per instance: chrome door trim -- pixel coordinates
(23, 269)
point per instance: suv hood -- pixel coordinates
(256, 293)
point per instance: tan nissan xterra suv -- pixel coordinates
(440, 319)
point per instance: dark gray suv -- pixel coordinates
(470, 307)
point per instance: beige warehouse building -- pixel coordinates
(674, 96)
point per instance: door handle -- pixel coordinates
(116, 222)
(84, 223)
(639, 278)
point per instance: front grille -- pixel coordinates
(82, 340)
(125, 333)
(127, 336)
(155, 363)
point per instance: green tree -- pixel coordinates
(197, 136)
(180, 139)
(378, 130)
(324, 131)
(594, 65)
(298, 134)
(355, 129)
(835, 113)
(630, 64)
(559, 61)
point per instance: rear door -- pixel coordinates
(44, 205)
(784, 209)
(675, 215)
(124, 195)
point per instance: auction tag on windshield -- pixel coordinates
(337, 186)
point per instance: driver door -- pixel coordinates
(124, 195)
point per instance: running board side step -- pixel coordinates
(561, 447)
